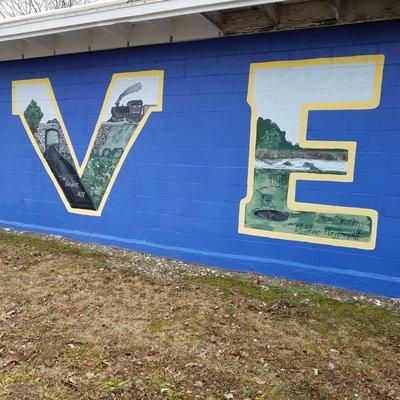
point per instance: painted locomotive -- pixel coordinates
(133, 112)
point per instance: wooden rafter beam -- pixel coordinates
(119, 31)
(16, 47)
(45, 42)
(166, 26)
(215, 19)
(271, 13)
(336, 6)
(82, 38)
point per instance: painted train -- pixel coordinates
(133, 112)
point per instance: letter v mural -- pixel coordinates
(280, 95)
(84, 188)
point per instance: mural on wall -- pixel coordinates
(280, 96)
(129, 101)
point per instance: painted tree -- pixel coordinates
(33, 115)
(271, 137)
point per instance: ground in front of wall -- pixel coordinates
(86, 322)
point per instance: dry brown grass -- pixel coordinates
(78, 322)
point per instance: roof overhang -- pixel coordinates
(94, 15)
(125, 23)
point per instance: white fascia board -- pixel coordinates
(108, 13)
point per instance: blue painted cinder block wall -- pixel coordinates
(179, 189)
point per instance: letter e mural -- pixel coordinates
(280, 95)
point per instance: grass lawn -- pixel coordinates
(86, 322)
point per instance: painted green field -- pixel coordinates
(270, 193)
